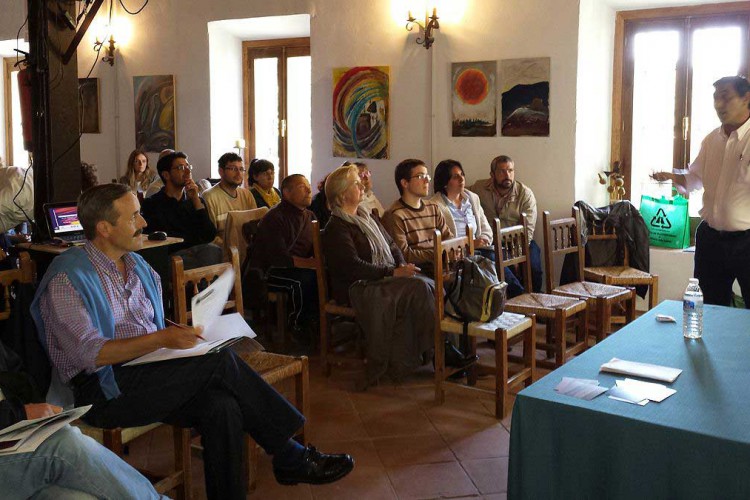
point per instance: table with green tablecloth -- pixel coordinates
(694, 444)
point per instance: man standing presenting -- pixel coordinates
(722, 169)
(411, 220)
(505, 198)
(227, 195)
(99, 306)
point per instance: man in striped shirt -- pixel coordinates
(412, 220)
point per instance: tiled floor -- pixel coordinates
(405, 446)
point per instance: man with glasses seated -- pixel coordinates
(228, 194)
(411, 220)
(178, 210)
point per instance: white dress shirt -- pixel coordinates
(722, 169)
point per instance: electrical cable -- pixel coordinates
(122, 3)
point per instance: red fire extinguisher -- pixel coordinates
(24, 90)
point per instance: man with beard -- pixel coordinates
(505, 198)
(178, 210)
(228, 194)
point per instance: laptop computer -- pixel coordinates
(63, 223)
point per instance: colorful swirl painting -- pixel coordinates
(360, 112)
(154, 112)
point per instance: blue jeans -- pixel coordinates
(73, 466)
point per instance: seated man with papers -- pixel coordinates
(66, 462)
(99, 306)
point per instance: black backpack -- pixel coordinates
(476, 294)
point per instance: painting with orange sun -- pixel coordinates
(474, 99)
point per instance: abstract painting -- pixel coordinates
(525, 96)
(88, 100)
(473, 99)
(360, 112)
(154, 112)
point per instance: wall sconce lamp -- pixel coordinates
(109, 49)
(430, 23)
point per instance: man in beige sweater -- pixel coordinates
(227, 195)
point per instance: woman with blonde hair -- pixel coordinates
(138, 174)
(395, 306)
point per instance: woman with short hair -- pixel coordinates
(263, 175)
(395, 306)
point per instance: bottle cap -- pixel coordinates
(694, 280)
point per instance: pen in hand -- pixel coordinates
(184, 327)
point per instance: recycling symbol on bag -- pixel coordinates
(661, 220)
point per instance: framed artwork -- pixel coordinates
(154, 112)
(473, 99)
(360, 112)
(88, 100)
(525, 96)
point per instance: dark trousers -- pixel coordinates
(720, 258)
(302, 287)
(218, 394)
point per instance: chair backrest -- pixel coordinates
(602, 232)
(446, 254)
(561, 237)
(233, 230)
(198, 279)
(24, 274)
(318, 261)
(512, 248)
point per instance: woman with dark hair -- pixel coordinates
(395, 306)
(263, 174)
(460, 208)
(138, 174)
(319, 205)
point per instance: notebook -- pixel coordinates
(63, 223)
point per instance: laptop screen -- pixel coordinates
(64, 220)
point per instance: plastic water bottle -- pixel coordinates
(692, 311)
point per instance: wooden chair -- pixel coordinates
(505, 330)
(274, 368)
(562, 237)
(24, 274)
(623, 275)
(245, 223)
(332, 351)
(512, 248)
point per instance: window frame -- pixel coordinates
(282, 48)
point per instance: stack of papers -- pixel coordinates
(581, 388)
(644, 370)
(26, 436)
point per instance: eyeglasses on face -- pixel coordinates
(421, 177)
(184, 167)
(236, 169)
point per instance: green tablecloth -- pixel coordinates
(694, 444)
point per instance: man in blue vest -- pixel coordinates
(100, 306)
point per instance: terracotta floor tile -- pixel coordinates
(362, 483)
(448, 419)
(431, 481)
(403, 423)
(496, 496)
(342, 427)
(413, 450)
(491, 442)
(330, 403)
(490, 475)
(381, 400)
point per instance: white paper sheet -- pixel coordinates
(654, 392)
(209, 304)
(581, 388)
(644, 370)
(221, 329)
